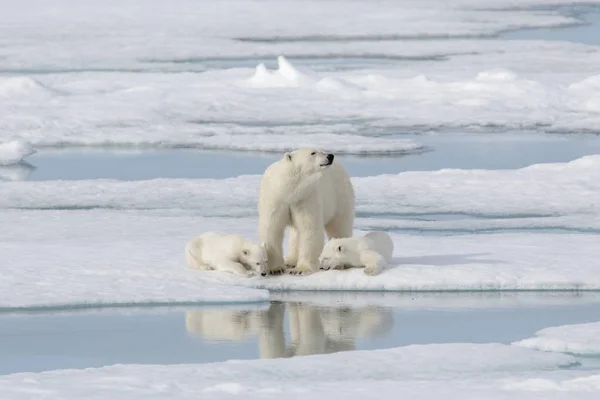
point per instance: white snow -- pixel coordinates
(455, 371)
(91, 259)
(14, 151)
(339, 144)
(560, 196)
(193, 74)
(583, 339)
(101, 257)
(227, 109)
(457, 263)
(124, 33)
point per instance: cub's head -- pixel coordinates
(255, 257)
(309, 161)
(339, 253)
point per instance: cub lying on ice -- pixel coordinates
(372, 251)
(229, 253)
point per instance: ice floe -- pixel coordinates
(136, 256)
(468, 371)
(227, 109)
(582, 339)
(559, 195)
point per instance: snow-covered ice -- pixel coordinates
(14, 151)
(583, 339)
(461, 371)
(198, 75)
(114, 256)
(213, 109)
(141, 25)
(560, 195)
(91, 259)
(468, 262)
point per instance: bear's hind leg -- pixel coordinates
(292, 258)
(271, 232)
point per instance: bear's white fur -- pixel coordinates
(309, 192)
(372, 251)
(225, 252)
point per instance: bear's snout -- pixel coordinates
(330, 158)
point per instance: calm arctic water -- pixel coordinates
(468, 151)
(38, 342)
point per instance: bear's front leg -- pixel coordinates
(271, 232)
(234, 268)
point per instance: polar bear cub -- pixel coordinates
(372, 251)
(225, 252)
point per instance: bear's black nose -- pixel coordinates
(264, 274)
(330, 158)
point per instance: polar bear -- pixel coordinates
(223, 252)
(372, 251)
(309, 192)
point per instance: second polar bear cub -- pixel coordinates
(229, 253)
(372, 251)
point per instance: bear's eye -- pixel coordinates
(257, 264)
(339, 248)
(313, 153)
(245, 252)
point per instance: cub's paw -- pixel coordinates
(301, 270)
(371, 271)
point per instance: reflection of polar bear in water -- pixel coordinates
(313, 330)
(309, 192)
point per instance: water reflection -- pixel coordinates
(312, 329)
(16, 172)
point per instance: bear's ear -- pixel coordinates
(288, 156)
(263, 245)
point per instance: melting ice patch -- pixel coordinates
(582, 339)
(14, 151)
(469, 371)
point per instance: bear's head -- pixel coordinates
(255, 257)
(339, 254)
(308, 161)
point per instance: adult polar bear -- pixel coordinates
(309, 192)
